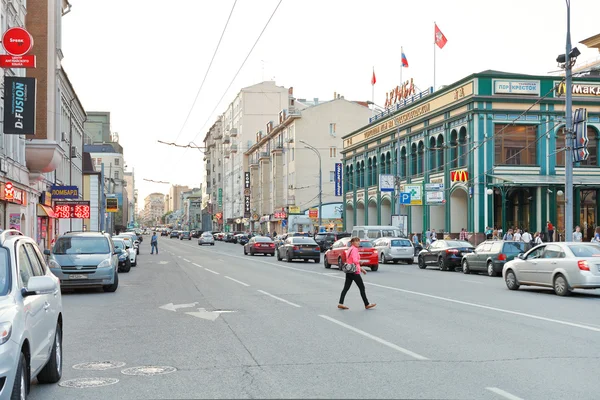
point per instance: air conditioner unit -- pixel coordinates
(73, 152)
(290, 186)
(64, 137)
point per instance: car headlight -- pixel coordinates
(105, 264)
(5, 331)
(53, 264)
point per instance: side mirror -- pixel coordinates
(521, 256)
(39, 285)
(47, 252)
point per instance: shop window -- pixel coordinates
(515, 144)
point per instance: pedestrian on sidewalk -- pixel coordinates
(154, 243)
(577, 236)
(550, 231)
(352, 257)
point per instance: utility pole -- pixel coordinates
(568, 132)
(320, 183)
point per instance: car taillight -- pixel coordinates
(583, 265)
(295, 248)
(271, 244)
(502, 257)
(451, 251)
(257, 245)
(374, 251)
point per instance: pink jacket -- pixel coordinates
(352, 257)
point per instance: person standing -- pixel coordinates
(433, 236)
(537, 239)
(527, 238)
(463, 234)
(508, 235)
(517, 237)
(352, 257)
(577, 235)
(154, 243)
(550, 228)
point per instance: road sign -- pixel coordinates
(405, 198)
(415, 194)
(434, 187)
(284, 223)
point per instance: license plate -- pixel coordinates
(78, 276)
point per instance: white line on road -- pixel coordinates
(220, 259)
(197, 265)
(375, 338)
(235, 280)
(503, 393)
(468, 280)
(210, 270)
(280, 299)
(186, 260)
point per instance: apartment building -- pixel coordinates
(213, 181)
(154, 209)
(174, 201)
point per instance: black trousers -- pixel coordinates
(361, 286)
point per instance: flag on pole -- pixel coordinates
(404, 59)
(373, 79)
(440, 39)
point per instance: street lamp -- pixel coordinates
(320, 182)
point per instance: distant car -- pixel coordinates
(206, 238)
(243, 239)
(444, 254)
(174, 234)
(326, 239)
(394, 250)
(260, 245)
(31, 318)
(337, 254)
(134, 238)
(164, 233)
(132, 244)
(185, 235)
(491, 255)
(299, 247)
(218, 236)
(563, 266)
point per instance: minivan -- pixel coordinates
(371, 232)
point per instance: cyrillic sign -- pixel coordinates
(517, 87)
(338, 179)
(64, 192)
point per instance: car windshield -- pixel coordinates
(585, 250)
(302, 240)
(514, 247)
(366, 245)
(263, 239)
(119, 244)
(321, 236)
(207, 234)
(4, 272)
(401, 243)
(81, 245)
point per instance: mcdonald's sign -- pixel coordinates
(460, 175)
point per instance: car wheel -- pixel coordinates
(511, 280)
(278, 256)
(374, 268)
(325, 263)
(382, 259)
(288, 258)
(127, 266)
(306, 260)
(442, 265)
(421, 263)
(52, 371)
(465, 267)
(134, 264)
(19, 390)
(561, 286)
(212, 244)
(490, 269)
(317, 260)
(112, 288)
(410, 261)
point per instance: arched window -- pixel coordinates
(395, 170)
(382, 167)
(346, 178)
(440, 152)
(388, 163)
(413, 159)
(357, 178)
(432, 154)
(369, 169)
(454, 150)
(374, 170)
(362, 174)
(402, 171)
(421, 156)
(462, 147)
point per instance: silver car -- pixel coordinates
(394, 249)
(206, 238)
(563, 266)
(30, 317)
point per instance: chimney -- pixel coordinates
(339, 96)
(334, 95)
(316, 99)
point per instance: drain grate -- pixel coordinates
(82, 383)
(148, 370)
(99, 365)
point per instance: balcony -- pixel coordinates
(233, 132)
(218, 134)
(226, 139)
(233, 148)
(226, 154)
(293, 111)
(263, 155)
(277, 147)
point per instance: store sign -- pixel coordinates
(17, 41)
(294, 209)
(517, 87)
(112, 204)
(9, 191)
(579, 89)
(46, 199)
(435, 198)
(246, 180)
(399, 93)
(12, 194)
(72, 209)
(313, 213)
(338, 179)
(219, 216)
(64, 192)
(280, 215)
(247, 204)
(460, 175)
(415, 191)
(220, 197)
(19, 105)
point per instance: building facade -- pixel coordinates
(192, 209)
(154, 209)
(213, 181)
(97, 126)
(175, 197)
(132, 197)
(488, 150)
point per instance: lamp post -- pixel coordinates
(320, 181)
(569, 132)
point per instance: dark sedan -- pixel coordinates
(260, 245)
(185, 235)
(298, 247)
(444, 254)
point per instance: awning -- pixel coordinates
(545, 180)
(45, 211)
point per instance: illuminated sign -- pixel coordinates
(72, 209)
(12, 194)
(112, 204)
(399, 93)
(294, 209)
(579, 89)
(460, 175)
(9, 191)
(64, 192)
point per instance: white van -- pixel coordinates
(372, 232)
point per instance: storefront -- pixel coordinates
(487, 150)
(14, 207)
(45, 221)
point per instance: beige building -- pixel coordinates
(284, 172)
(213, 181)
(174, 197)
(154, 209)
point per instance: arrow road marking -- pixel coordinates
(174, 307)
(208, 315)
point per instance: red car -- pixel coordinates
(337, 254)
(260, 245)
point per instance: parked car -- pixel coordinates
(371, 232)
(137, 235)
(326, 239)
(134, 239)
(31, 317)
(260, 245)
(444, 254)
(491, 255)
(84, 259)
(218, 236)
(563, 266)
(196, 234)
(206, 238)
(337, 254)
(164, 233)
(299, 247)
(237, 237)
(185, 235)
(134, 245)
(394, 250)
(124, 255)
(243, 239)
(174, 234)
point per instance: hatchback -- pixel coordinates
(563, 266)
(206, 238)
(337, 254)
(31, 317)
(491, 255)
(395, 249)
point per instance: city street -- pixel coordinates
(209, 322)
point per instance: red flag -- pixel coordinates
(373, 79)
(440, 39)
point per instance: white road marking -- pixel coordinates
(279, 298)
(235, 280)
(179, 256)
(186, 260)
(503, 393)
(375, 338)
(197, 265)
(220, 259)
(468, 280)
(210, 270)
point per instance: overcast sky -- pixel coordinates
(144, 60)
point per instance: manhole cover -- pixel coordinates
(82, 383)
(99, 365)
(149, 370)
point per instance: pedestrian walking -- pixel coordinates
(527, 238)
(577, 235)
(352, 257)
(537, 239)
(154, 243)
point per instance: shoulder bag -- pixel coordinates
(347, 267)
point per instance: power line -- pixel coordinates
(207, 71)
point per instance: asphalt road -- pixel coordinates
(253, 327)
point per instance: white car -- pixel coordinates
(30, 317)
(206, 238)
(132, 246)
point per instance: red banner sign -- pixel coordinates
(7, 61)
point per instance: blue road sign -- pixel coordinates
(405, 198)
(284, 223)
